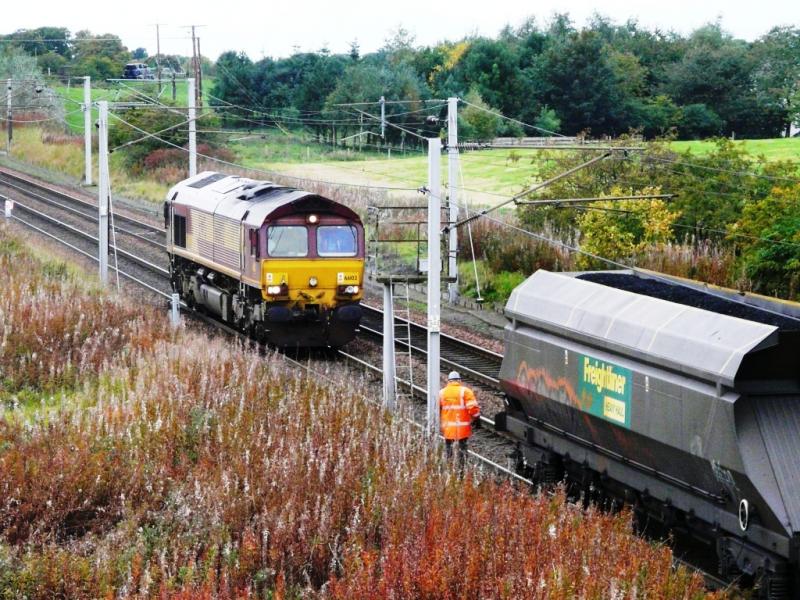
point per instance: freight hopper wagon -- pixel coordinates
(689, 414)
(282, 264)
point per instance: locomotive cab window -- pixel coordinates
(287, 241)
(179, 230)
(337, 240)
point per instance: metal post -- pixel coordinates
(192, 129)
(383, 117)
(103, 190)
(87, 129)
(434, 279)
(174, 88)
(452, 182)
(9, 118)
(175, 310)
(389, 368)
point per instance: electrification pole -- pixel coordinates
(434, 279)
(389, 369)
(9, 118)
(452, 181)
(383, 118)
(192, 128)
(87, 129)
(103, 191)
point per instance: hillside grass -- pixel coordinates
(123, 92)
(774, 149)
(151, 461)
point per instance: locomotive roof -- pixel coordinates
(249, 200)
(692, 340)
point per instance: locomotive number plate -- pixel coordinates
(345, 278)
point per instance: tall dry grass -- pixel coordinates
(186, 467)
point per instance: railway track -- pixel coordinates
(478, 365)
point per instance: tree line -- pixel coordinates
(58, 52)
(601, 79)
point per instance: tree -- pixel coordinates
(618, 230)
(99, 56)
(476, 122)
(139, 54)
(548, 121)
(768, 235)
(698, 121)
(777, 75)
(31, 41)
(577, 78)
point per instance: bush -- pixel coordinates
(195, 468)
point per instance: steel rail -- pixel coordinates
(88, 236)
(76, 211)
(70, 198)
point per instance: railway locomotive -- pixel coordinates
(683, 404)
(281, 264)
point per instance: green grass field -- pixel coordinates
(114, 93)
(774, 149)
(487, 175)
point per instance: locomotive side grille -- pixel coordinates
(227, 246)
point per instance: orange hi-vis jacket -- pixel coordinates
(457, 407)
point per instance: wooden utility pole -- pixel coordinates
(158, 57)
(194, 62)
(199, 75)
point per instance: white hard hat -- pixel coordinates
(453, 375)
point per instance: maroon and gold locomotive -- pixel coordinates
(283, 264)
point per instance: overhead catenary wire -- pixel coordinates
(616, 263)
(512, 120)
(684, 225)
(721, 170)
(258, 170)
(530, 190)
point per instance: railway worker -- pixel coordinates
(458, 410)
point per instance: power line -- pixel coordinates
(684, 225)
(720, 170)
(258, 170)
(502, 116)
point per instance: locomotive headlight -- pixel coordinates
(313, 219)
(351, 289)
(312, 281)
(274, 290)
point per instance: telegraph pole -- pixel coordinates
(103, 191)
(9, 119)
(194, 59)
(87, 129)
(192, 127)
(452, 180)
(158, 57)
(199, 75)
(434, 279)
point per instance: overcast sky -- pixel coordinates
(275, 28)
